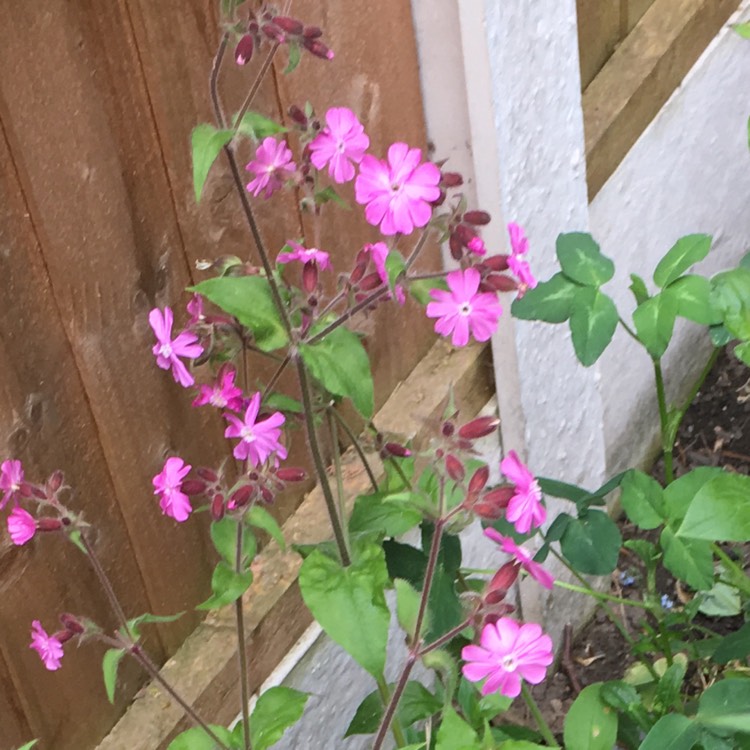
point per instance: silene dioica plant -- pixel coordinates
(688, 686)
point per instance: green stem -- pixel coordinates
(357, 447)
(667, 434)
(601, 595)
(339, 477)
(241, 645)
(396, 728)
(739, 577)
(541, 722)
(629, 330)
(394, 462)
(254, 88)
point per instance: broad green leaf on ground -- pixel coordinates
(592, 324)
(668, 690)
(582, 261)
(110, 663)
(724, 706)
(679, 494)
(227, 586)
(197, 739)
(455, 734)
(687, 251)
(654, 322)
(249, 299)
(690, 560)
(276, 710)
(720, 510)
(340, 364)
(723, 600)
(733, 646)
(590, 724)
(256, 126)
(207, 142)
(550, 301)
(672, 732)
(643, 500)
(349, 603)
(592, 543)
(730, 297)
(693, 296)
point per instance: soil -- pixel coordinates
(714, 432)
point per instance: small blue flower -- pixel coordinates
(627, 578)
(667, 602)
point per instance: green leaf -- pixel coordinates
(720, 510)
(281, 402)
(686, 252)
(520, 745)
(730, 297)
(742, 352)
(720, 335)
(249, 299)
(734, 646)
(590, 724)
(260, 518)
(224, 537)
(256, 126)
(328, 194)
(671, 732)
(693, 296)
(395, 265)
(276, 710)
(28, 745)
(349, 603)
(679, 494)
(227, 585)
(367, 716)
(625, 699)
(722, 600)
(638, 288)
(197, 739)
(690, 560)
(294, 57)
(556, 488)
(743, 29)
(389, 515)
(455, 734)
(592, 543)
(654, 322)
(582, 261)
(550, 301)
(643, 500)
(110, 663)
(135, 623)
(592, 324)
(207, 142)
(340, 363)
(407, 605)
(420, 289)
(725, 706)
(668, 690)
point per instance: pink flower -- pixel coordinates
(258, 440)
(168, 485)
(519, 245)
(272, 165)
(464, 309)
(304, 255)
(195, 310)
(379, 253)
(509, 653)
(21, 526)
(48, 647)
(340, 145)
(477, 246)
(168, 351)
(397, 194)
(11, 479)
(222, 393)
(522, 558)
(525, 509)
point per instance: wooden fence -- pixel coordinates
(97, 225)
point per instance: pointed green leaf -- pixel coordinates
(590, 724)
(742, 352)
(743, 29)
(592, 543)
(262, 519)
(690, 560)
(294, 57)
(197, 739)
(638, 288)
(679, 494)
(643, 500)
(395, 265)
(207, 142)
(389, 515)
(592, 324)
(720, 510)
(276, 710)
(328, 194)
(550, 301)
(110, 663)
(249, 299)
(686, 252)
(135, 623)
(672, 732)
(340, 363)
(224, 537)
(256, 126)
(417, 703)
(654, 322)
(725, 706)
(28, 745)
(407, 605)
(734, 646)
(227, 585)
(730, 297)
(455, 734)
(693, 296)
(582, 261)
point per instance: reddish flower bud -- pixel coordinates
(499, 283)
(217, 507)
(318, 49)
(479, 427)
(312, 32)
(501, 582)
(208, 474)
(397, 450)
(266, 495)
(297, 116)
(370, 282)
(454, 468)
(448, 428)
(493, 503)
(71, 623)
(290, 25)
(194, 487)
(37, 491)
(496, 263)
(357, 272)
(452, 179)
(241, 497)
(465, 234)
(244, 50)
(55, 481)
(273, 32)
(49, 524)
(456, 247)
(63, 636)
(479, 480)
(310, 276)
(477, 218)
(291, 474)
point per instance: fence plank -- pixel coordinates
(16, 728)
(599, 32)
(635, 11)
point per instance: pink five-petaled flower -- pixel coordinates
(522, 558)
(304, 255)
(509, 652)
(21, 526)
(11, 479)
(519, 246)
(258, 440)
(222, 393)
(340, 145)
(525, 509)
(168, 485)
(464, 309)
(272, 165)
(48, 647)
(168, 351)
(397, 193)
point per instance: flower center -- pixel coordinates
(508, 664)
(217, 399)
(166, 350)
(247, 434)
(465, 309)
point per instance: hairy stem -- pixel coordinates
(541, 722)
(256, 85)
(397, 729)
(357, 447)
(241, 644)
(601, 595)
(339, 476)
(275, 377)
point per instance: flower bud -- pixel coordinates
(499, 283)
(290, 25)
(492, 504)
(447, 429)
(501, 582)
(456, 247)
(297, 116)
(479, 427)
(496, 263)
(454, 468)
(244, 50)
(194, 487)
(71, 623)
(267, 496)
(477, 218)
(241, 497)
(291, 474)
(217, 507)
(310, 277)
(479, 480)
(312, 32)
(273, 32)
(452, 179)
(396, 449)
(48, 524)
(370, 282)
(465, 234)
(37, 491)
(318, 49)
(208, 474)
(440, 199)
(357, 272)
(55, 481)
